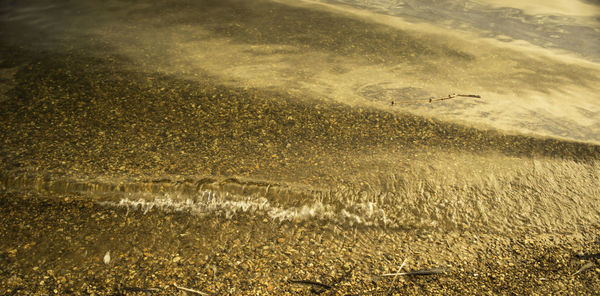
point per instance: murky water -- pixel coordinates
(534, 66)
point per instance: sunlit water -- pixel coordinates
(534, 66)
(486, 194)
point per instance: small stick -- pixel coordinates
(312, 283)
(451, 96)
(584, 267)
(136, 289)
(190, 290)
(395, 277)
(417, 272)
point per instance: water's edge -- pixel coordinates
(538, 196)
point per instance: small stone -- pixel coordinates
(106, 258)
(176, 259)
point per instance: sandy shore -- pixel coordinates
(55, 243)
(52, 245)
(479, 211)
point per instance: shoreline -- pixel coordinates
(56, 246)
(91, 123)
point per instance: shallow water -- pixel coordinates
(110, 100)
(534, 65)
(484, 194)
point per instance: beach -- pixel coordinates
(226, 153)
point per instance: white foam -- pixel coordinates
(230, 205)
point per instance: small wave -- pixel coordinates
(489, 194)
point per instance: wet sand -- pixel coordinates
(55, 245)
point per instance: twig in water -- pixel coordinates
(190, 290)
(452, 96)
(136, 289)
(418, 272)
(584, 267)
(395, 277)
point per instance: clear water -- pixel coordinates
(535, 67)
